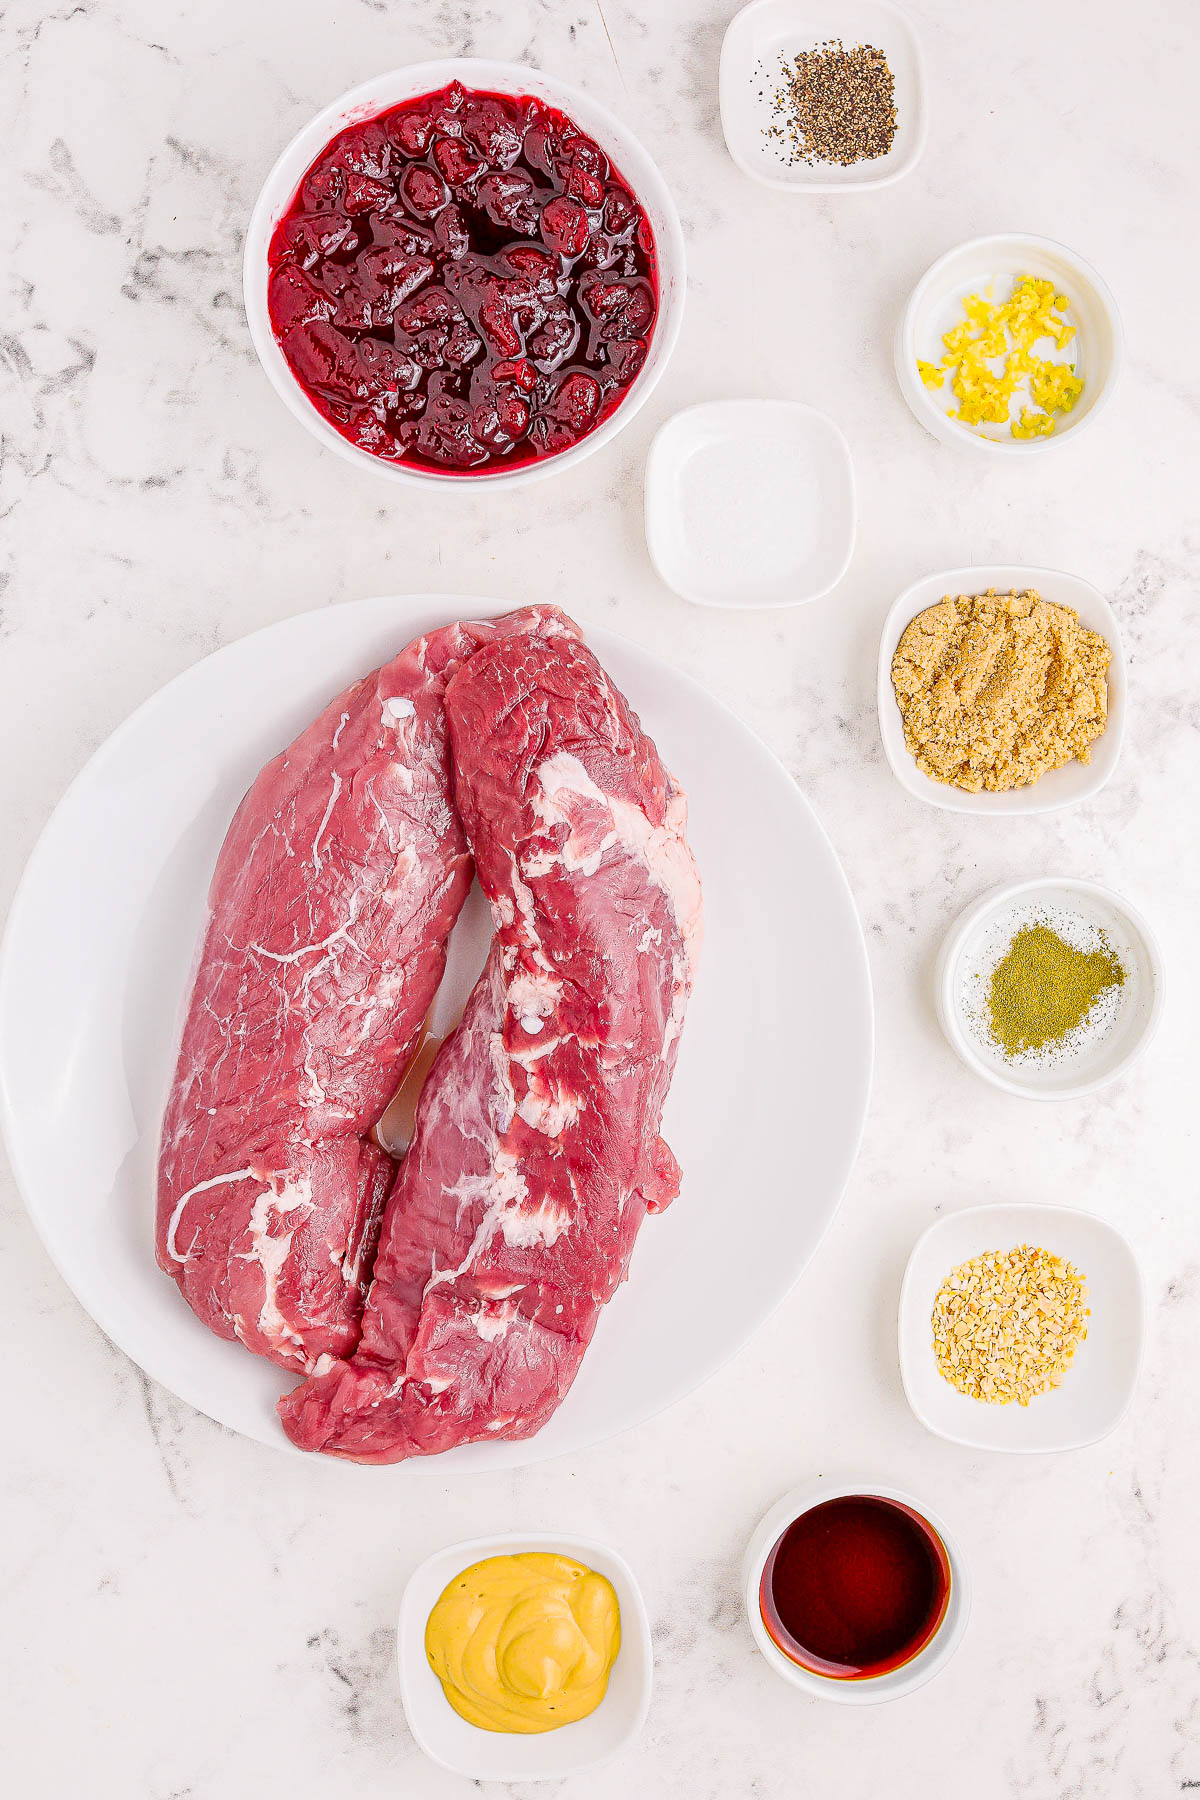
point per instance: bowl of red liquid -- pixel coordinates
(856, 1592)
(464, 268)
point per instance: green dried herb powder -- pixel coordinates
(1043, 989)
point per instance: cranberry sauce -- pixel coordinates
(464, 283)
(855, 1587)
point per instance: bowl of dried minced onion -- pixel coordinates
(1021, 1328)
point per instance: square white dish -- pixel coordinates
(512, 1756)
(1075, 781)
(767, 31)
(1097, 1387)
(750, 503)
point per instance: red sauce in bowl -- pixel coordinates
(464, 283)
(855, 1587)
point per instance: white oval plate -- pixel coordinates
(767, 1106)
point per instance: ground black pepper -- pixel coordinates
(835, 105)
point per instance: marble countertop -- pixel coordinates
(186, 1615)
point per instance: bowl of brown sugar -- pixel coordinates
(1001, 689)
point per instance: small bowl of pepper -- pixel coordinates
(1050, 988)
(820, 99)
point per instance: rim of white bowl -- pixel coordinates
(945, 994)
(289, 167)
(498, 1543)
(780, 182)
(653, 472)
(901, 760)
(874, 1689)
(1044, 1209)
(947, 430)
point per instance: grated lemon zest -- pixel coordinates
(1008, 333)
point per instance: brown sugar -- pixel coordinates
(996, 689)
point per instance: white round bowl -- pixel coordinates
(911, 1675)
(1141, 1001)
(1076, 780)
(936, 304)
(1099, 1384)
(379, 94)
(511, 1755)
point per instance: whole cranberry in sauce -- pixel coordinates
(464, 283)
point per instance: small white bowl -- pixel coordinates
(980, 936)
(1097, 349)
(1060, 787)
(750, 503)
(767, 31)
(911, 1675)
(509, 1755)
(1099, 1384)
(376, 96)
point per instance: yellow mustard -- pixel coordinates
(524, 1643)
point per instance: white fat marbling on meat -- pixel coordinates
(335, 789)
(530, 1054)
(549, 1113)
(525, 906)
(504, 1097)
(493, 1322)
(505, 1211)
(270, 1250)
(525, 1228)
(340, 935)
(395, 709)
(201, 1187)
(534, 995)
(570, 797)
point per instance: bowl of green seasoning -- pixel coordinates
(1050, 988)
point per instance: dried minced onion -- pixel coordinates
(1007, 1324)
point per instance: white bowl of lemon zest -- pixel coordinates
(1009, 344)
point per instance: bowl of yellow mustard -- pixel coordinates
(524, 1657)
(1009, 344)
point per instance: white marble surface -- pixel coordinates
(186, 1614)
